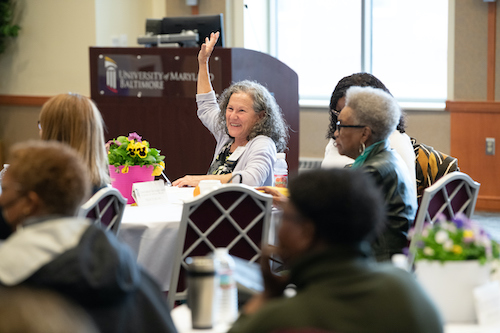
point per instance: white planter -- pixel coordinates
(450, 285)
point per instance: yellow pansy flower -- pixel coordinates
(125, 169)
(132, 148)
(468, 233)
(457, 249)
(158, 169)
(141, 150)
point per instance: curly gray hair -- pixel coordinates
(272, 124)
(374, 108)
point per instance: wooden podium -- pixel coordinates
(152, 91)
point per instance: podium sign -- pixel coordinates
(149, 75)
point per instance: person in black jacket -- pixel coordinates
(363, 128)
(52, 249)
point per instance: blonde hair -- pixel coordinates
(76, 121)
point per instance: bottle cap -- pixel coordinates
(221, 250)
(204, 265)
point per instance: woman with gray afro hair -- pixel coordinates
(398, 139)
(375, 108)
(247, 124)
(363, 126)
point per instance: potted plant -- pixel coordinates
(7, 29)
(451, 259)
(132, 160)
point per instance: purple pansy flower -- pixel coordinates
(134, 136)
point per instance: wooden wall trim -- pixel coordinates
(19, 100)
(492, 29)
(488, 203)
(473, 106)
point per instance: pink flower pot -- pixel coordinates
(123, 181)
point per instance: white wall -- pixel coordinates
(120, 22)
(50, 55)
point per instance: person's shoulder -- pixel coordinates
(400, 141)
(261, 141)
(271, 317)
(414, 305)
(396, 278)
(261, 138)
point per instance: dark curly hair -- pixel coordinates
(345, 205)
(361, 80)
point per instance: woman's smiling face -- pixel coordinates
(241, 116)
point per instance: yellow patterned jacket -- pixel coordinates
(430, 166)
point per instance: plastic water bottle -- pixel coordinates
(227, 292)
(281, 171)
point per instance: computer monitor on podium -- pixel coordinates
(202, 24)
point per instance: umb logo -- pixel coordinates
(110, 66)
(144, 76)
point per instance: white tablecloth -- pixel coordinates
(151, 232)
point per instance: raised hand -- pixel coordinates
(207, 47)
(204, 85)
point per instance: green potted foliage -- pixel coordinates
(451, 259)
(7, 28)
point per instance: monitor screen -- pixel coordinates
(204, 24)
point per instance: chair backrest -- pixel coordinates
(453, 194)
(234, 216)
(105, 208)
(430, 166)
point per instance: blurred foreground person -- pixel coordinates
(42, 191)
(324, 239)
(40, 311)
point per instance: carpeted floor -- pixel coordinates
(490, 221)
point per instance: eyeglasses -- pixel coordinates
(339, 126)
(335, 112)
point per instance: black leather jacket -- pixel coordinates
(391, 175)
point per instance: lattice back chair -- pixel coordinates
(453, 194)
(234, 216)
(105, 208)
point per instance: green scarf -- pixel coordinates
(360, 160)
